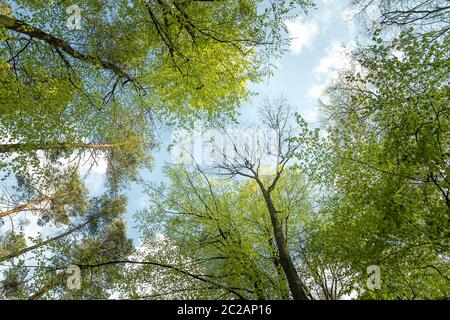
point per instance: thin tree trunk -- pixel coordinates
(294, 282)
(45, 289)
(27, 205)
(46, 242)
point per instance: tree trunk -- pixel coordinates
(284, 289)
(42, 291)
(294, 282)
(38, 245)
(26, 206)
(24, 28)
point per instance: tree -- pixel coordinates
(122, 141)
(220, 231)
(99, 236)
(424, 15)
(220, 217)
(247, 163)
(58, 201)
(85, 230)
(387, 178)
(172, 58)
(94, 92)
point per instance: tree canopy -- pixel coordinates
(281, 209)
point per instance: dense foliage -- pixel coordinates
(300, 213)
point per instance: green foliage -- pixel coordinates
(172, 58)
(223, 229)
(388, 176)
(373, 190)
(10, 242)
(94, 93)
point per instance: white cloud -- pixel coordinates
(304, 30)
(349, 17)
(367, 16)
(316, 91)
(337, 58)
(302, 34)
(311, 115)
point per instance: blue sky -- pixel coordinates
(318, 50)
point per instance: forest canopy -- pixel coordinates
(354, 205)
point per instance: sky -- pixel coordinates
(319, 47)
(320, 42)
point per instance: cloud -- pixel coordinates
(316, 91)
(337, 59)
(400, 55)
(349, 17)
(359, 14)
(311, 115)
(302, 34)
(304, 30)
